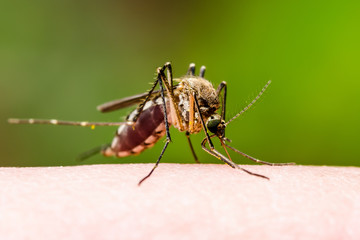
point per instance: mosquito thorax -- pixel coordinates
(216, 125)
(207, 98)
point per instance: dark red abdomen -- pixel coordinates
(148, 129)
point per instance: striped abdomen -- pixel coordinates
(148, 129)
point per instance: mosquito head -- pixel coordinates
(216, 125)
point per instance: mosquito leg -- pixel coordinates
(191, 124)
(156, 164)
(170, 92)
(168, 138)
(202, 71)
(257, 160)
(169, 74)
(191, 147)
(230, 163)
(61, 122)
(165, 111)
(191, 113)
(203, 122)
(227, 161)
(191, 70)
(142, 105)
(222, 85)
(247, 171)
(168, 87)
(212, 149)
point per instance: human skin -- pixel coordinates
(179, 201)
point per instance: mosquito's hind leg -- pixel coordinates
(141, 106)
(168, 138)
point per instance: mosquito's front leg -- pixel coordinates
(218, 155)
(257, 160)
(202, 121)
(212, 150)
(214, 153)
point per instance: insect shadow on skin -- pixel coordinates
(191, 105)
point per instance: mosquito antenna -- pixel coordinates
(68, 123)
(250, 104)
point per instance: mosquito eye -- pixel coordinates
(212, 124)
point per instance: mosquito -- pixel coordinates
(191, 105)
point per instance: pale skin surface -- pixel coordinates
(179, 201)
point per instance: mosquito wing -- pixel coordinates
(124, 102)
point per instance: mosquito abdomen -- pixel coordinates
(132, 140)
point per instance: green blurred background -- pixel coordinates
(60, 59)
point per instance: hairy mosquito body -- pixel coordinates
(149, 127)
(207, 98)
(190, 106)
